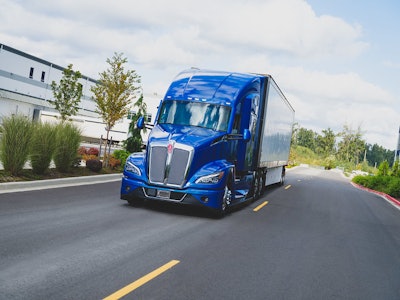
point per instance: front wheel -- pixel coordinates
(226, 198)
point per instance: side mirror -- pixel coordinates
(246, 135)
(140, 123)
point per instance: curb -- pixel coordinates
(22, 186)
(390, 199)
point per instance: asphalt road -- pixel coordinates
(319, 238)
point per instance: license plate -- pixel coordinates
(163, 194)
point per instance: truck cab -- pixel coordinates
(205, 147)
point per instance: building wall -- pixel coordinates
(27, 75)
(25, 88)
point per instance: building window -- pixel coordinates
(148, 118)
(43, 75)
(31, 73)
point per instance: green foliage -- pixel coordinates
(42, 147)
(393, 187)
(304, 155)
(14, 146)
(114, 92)
(396, 169)
(66, 146)
(386, 184)
(67, 93)
(351, 153)
(122, 155)
(306, 138)
(134, 142)
(330, 162)
(376, 154)
(351, 145)
(326, 143)
(382, 181)
(383, 168)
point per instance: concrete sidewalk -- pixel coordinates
(21, 186)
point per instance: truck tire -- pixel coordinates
(227, 197)
(258, 185)
(283, 176)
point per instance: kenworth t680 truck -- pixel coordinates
(218, 139)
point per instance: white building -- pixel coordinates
(25, 88)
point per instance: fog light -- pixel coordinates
(204, 199)
(127, 188)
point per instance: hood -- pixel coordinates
(197, 137)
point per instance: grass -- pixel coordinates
(28, 175)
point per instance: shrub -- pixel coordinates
(66, 146)
(122, 155)
(82, 151)
(93, 151)
(14, 145)
(42, 147)
(387, 184)
(94, 165)
(114, 162)
(393, 188)
(88, 157)
(383, 168)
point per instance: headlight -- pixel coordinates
(211, 179)
(130, 167)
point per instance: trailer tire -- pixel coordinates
(283, 176)
(258, 185)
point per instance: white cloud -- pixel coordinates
(161, 38)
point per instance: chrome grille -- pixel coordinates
(169, 167)
(158, 157)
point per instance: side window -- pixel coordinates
(237, 119)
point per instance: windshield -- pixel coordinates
(199, 114)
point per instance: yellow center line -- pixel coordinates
(260, 206)
(141, 281)
(287, 187)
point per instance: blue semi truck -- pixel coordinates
(218, 140)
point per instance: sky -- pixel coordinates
(336, 61)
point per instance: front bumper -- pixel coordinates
(134, 189)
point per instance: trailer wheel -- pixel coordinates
(283, 176)
(258, 185)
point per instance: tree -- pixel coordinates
(351, 145)
(114, 92)
(383, 168)
(396, 169)
(67, 94)
(306, 138)
(134, 141)
(377, 154)
(326, 143)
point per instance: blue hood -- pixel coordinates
(196, 137)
